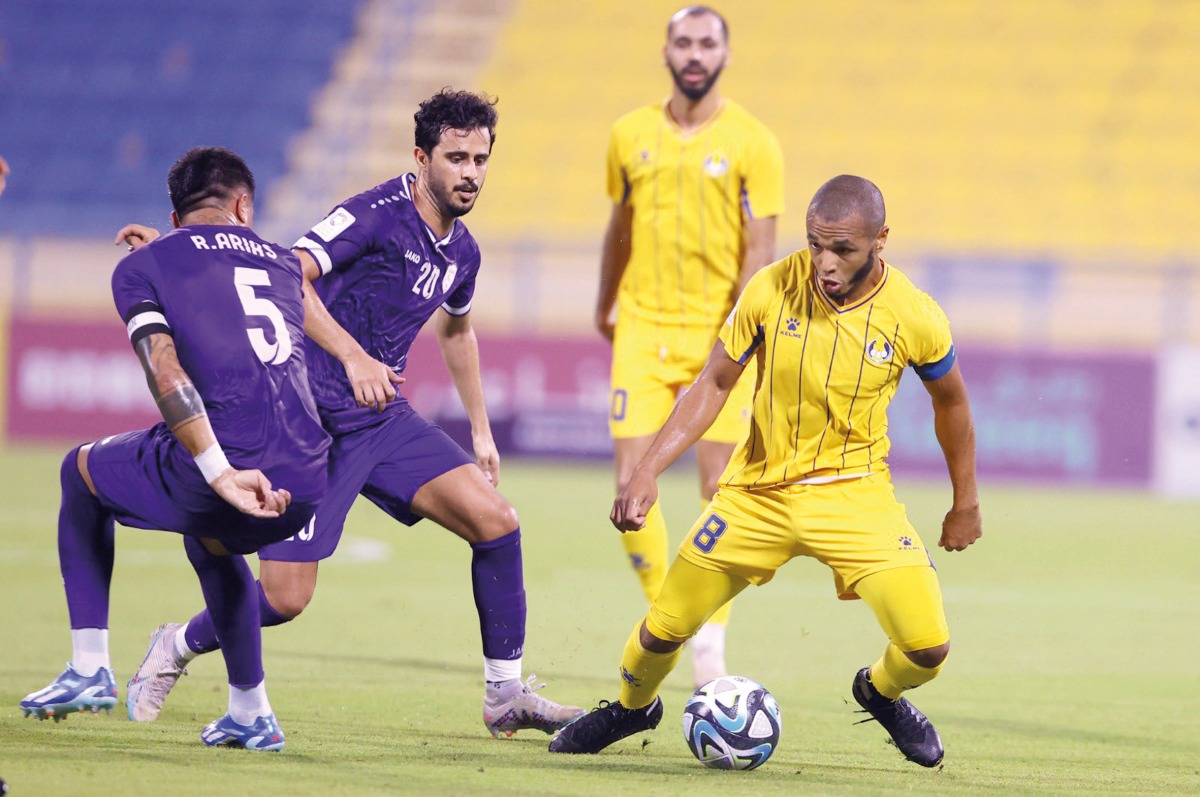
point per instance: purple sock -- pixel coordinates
(228, 587)
(499, 588)
(201, 634)
(85, 548)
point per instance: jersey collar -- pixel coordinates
(679, 131)
(406, 183)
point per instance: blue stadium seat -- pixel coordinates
(94, 115)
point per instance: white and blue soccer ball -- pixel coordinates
(732, 723)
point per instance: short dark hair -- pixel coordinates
(698, 11)
(846, 196)
(204, 173)
(453, 110)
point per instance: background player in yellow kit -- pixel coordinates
(696, 184)
(828, 330)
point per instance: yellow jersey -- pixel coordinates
(691, 194)
(826, 373)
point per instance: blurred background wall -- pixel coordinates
(1040, 159)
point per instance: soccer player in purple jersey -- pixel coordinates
(384, 262)
(216, 316)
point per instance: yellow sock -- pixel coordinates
(647, 550)
(642, 671)
(894, 673)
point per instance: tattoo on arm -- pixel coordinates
(173, 391)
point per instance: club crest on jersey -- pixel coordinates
(879, 351)
(715, 165)
(448, 279)
(334, 224)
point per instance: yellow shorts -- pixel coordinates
(651, 364)
(856, 527)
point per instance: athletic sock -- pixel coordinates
(894, 673)
(642, 671)
(246, 704)
(86, 545)
(498, 584)
(708, 653)
(89, 650)
(229, 591)
(200, 635)
(647, 552)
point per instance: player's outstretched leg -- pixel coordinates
(907, 602)
(509, 705)
(71, 692)
(85, 555)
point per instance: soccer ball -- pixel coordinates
(732, 723)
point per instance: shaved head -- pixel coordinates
(846, 196)
(697, 11)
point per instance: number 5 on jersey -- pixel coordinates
(277, 353)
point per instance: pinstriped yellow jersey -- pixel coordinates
(691, 194)
(826, 373)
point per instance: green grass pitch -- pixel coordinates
(1076, 625)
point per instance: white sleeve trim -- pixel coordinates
(317, 251)
(142, 319)
(457, 310)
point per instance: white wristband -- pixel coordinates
(212, 462)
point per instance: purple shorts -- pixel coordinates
(149, 481)
(387, 463)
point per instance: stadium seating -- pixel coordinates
(1058, 128)
(100, 97)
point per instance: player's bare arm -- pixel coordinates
(760, 247)
(183, 411)
(614, 257)
(373, 382)
(698, 407)
(460, 350)
(955, 430)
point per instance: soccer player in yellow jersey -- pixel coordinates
(827, 333)
(696, 183)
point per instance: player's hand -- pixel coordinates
(962, 526)
(250, 492)
(605, 324)
(487, 456)
(135, 236)
(372, 381)
(633, 503)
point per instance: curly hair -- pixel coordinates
(204, 173)
(453, 110)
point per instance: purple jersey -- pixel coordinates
(233, 305)
(384, 274)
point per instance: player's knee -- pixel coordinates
(929, 658)
(502, 520)
(69, 475)
(289, 599)
(655, 645)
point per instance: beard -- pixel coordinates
(449, 204)
(861, 275)
(695, 93)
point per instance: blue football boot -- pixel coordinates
(263, 734)
(71, 692)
